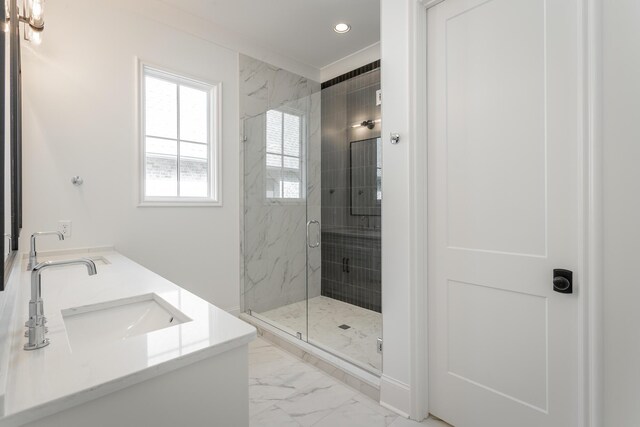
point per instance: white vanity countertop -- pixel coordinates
(62, 375)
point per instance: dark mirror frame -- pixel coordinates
(351, 166)
(15, 123)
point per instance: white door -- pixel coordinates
(503, 118)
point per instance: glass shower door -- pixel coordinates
(275, 288)
(343, 193)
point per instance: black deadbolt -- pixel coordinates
(563, 281)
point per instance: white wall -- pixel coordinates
(621, 211)
(396, 204)
(80, 119)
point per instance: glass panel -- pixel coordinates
(194, 151)
(346, 199)
(274, 160)
(194, 108)
(274, 286)
(291, 140)
(291, 189)
(161, 108)
(274, 131)
(161, 176)
(161, 146)
(291, 184)
(194, 177)
(292, 162)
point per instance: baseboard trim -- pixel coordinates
(395, 395)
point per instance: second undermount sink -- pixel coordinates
(119, 319)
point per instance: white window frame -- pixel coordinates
(303, 170)
(214, 90)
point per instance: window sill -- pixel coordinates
(179, 204)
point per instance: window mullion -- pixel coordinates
(209, 146)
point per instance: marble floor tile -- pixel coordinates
(316, 401)
(273, 417)
(325, 315)
(284, 391)
(271, 388)
(266, 360)
(357, 413)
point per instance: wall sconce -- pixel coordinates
(366, 124)
(32, 15)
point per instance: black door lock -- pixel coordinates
(563, 281)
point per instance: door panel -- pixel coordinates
(515, 364)
(495, 127)
(503, 118)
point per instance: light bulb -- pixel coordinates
(36, 14)
(342, 28)
(34, 36)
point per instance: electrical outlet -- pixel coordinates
(64, 226)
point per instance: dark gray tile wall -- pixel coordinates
(351, 252)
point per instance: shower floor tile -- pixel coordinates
(346, 330)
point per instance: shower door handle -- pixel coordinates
(317, 243)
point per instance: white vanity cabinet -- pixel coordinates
(127, 348)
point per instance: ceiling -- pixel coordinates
(299, 29)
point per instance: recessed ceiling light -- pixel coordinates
(342, 28)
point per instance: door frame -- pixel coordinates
(590, 274)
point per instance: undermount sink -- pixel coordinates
(119, 319)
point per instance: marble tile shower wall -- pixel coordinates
(350, 243)
(273, 237)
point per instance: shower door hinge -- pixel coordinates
(379, 345)
(299, 334)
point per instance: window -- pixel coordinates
(179, 130)
(284, 155)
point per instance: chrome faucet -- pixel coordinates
(33, 255)
(35, 324)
